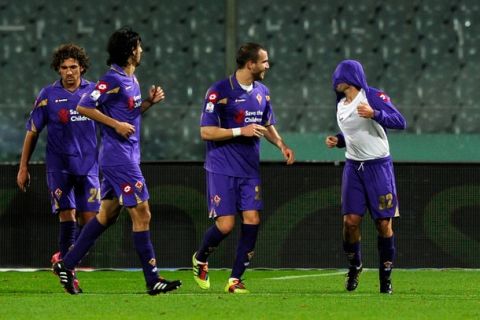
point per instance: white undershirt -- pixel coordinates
(246, 88)
(365, 139)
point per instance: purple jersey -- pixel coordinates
(227, 105)
(118, 96)
(71, 138)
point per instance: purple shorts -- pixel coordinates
(228, 195)
(369, 185)
(68, 191)
(125, 183)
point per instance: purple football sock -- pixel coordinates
(386, 252)
(248, 238)
(67, 236)
(91, 231)
(211, 240)
(144, 247)
(353, 252)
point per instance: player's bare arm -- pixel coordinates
(365, 111)
(331, 141)
(23, 176)
(213, 133)
(124, 129)
(274, 138)
(155, 95)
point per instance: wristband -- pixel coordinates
(236, 132)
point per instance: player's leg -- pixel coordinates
(87, 197)
(63, 203)
(133, 195)
(386, 252)
(221, 200)
(109, 211)
(250, 204)
(383, 205)
(141, 216)
(353, 209)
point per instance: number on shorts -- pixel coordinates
(385, 202)
(94, 195)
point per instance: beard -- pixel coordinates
(258, 76)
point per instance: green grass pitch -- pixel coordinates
(277, 294)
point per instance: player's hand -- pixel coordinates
(124, 129)
(331, 141)
(23, 179)
(289, 155)
(365, 111)
(254, 130)
(155, 94)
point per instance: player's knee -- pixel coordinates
(351, 228)
(225, 227)
(252, 220)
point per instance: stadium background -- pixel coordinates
(424, 54)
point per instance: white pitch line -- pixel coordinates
(307, 276)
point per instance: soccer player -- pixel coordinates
(236, 114)
(117, 104)
(71, 153)
(363, 115)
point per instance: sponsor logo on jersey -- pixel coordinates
(63, 115)
(240, 100)
(209, 107)
(239, 116)
(253, 116)
(134, 102)
(127, 189)
(60, 100)
(101, 86)
(213, 97)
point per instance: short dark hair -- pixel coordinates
(67, 51)
(248, 52)
(121, 45)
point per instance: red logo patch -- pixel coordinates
(131, 103)
(240, 116)
(213, 97)
(127, 189)
(63, 116)
(383, 96)
(101, 86)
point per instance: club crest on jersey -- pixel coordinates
(209, 107)
(259, 98)
(127, 189)
(213, 97)
(383, 96)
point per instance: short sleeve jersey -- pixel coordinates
(118, 96)
(227, 105)
(71, 138)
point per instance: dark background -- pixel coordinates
(301, 223)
